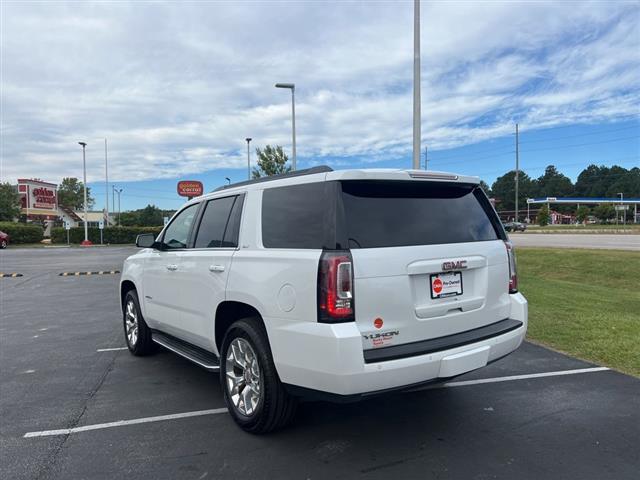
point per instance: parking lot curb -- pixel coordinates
(10, 275)
(77, 274)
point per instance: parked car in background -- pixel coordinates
(4, 239)
(515, 227)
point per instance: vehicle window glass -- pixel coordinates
(177, 232)
(214, 222)
(394, 214)
(297, 216)
(233, 225)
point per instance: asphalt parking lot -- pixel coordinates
(64, 380)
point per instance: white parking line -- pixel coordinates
(120, 423)
(111, 349)
(215, 411)
(511, 378)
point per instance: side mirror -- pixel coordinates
(145, 240)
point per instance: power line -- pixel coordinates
(543, 167)
(588, 134)
(558, 147)
(583, 144)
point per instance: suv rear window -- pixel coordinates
(396, 214)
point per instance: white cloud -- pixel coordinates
(177, 87)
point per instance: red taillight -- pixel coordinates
(513, 273)
(335, 287)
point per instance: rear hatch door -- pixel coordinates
(429, 259)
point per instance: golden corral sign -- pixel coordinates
(189, 188)
(38, 195)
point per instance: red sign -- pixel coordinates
(190, 188)
(437, 285)
(37, 195)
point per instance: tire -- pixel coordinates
(274, 407)
(3, 244)
(136, 332)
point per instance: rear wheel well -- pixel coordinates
(125, 288)
(229, 312)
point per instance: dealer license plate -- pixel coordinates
(447, 284)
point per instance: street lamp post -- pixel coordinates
(624, 212)
(292, 86)
(416, 85)
(106, 184)
(84, 187)
(248, 139)
(119, 191)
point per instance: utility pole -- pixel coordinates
(416, 85)
(113, 196)
(106, 183)
(517, 168)
(425, 157)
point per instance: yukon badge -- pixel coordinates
(457, 265)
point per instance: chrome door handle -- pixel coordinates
(216, 268)
(172, 267)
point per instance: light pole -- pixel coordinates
(106, 183)
(517, 168)
(118, 191)
(248, 139)
(416, 85)
(624, 212)
(84, 187)
(292, 86)
(228, 180)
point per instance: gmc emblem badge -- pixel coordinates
(457, 265)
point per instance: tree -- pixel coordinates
(604, 212)
(582, 213)
(271, 161)
(486, 188)
(504, 190)
(543, 216)
(9, 203)
(150, 216)
(71, 194)
(552, 184)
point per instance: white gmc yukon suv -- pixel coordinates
(329, 285)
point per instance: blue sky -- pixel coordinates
(570, 149)
(176, 87)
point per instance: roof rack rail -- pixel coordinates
(297, 173)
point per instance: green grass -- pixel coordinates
(585, 303)
(591, 228)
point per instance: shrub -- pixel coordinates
(22, 233)
(110, 235)
(543, 216)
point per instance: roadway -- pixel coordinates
(577, 240)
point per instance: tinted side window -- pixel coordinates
(395, 214)
(177, 233)
(299, 216)
(214, 223)
(233, 225)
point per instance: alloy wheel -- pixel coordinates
(131, 323)
(243, 376)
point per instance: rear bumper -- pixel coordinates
(330, 359)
